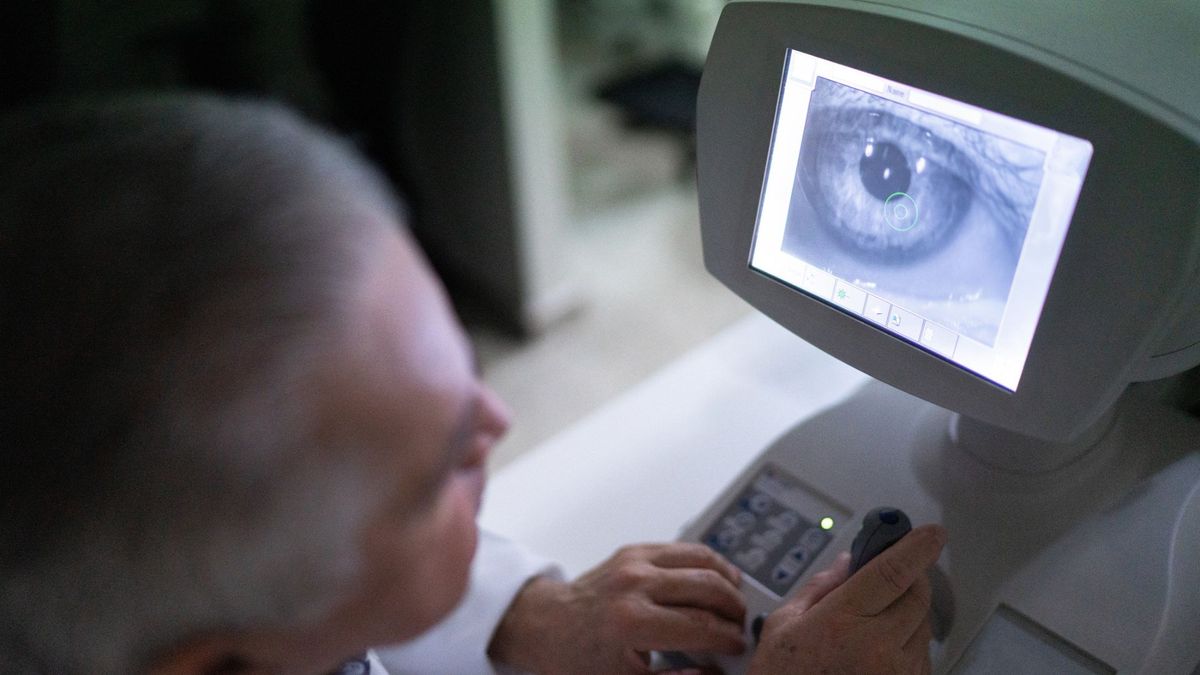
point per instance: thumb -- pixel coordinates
(822, 583)
(883, 580)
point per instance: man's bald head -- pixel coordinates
(172, 274)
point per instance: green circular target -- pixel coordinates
(900, 212)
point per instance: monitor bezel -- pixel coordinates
(1075, 369)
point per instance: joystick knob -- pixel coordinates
(881, 528)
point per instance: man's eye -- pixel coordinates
(921, 208)
(888, 189)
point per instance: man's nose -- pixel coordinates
(496, 416)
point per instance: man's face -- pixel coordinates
(410, 395)
(400, 397)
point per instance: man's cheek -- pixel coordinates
(455, 528)
(469, 510)
(459, 540)
(477, 483)
(466, 529)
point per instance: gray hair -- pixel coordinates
(172, 272)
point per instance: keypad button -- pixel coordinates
(728, 538)
(750, 559)
(768, 540)
(784, 522)
(813, 538)
(760, 503)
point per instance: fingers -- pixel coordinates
(687, 629)
(889, 576)
(700, 588)
(915, 651)
(822, 583)
(668, 597)
(911, 612)
(682, 554)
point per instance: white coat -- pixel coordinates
(458, 645)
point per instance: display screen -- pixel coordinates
(935, 220)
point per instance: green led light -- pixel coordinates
(827, 523)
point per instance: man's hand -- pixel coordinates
(646, 597)
(875, 622)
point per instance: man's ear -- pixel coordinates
(215, 655)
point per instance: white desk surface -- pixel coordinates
(638, 468)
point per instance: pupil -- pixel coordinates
(884, 170)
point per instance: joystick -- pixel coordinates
(881, 528)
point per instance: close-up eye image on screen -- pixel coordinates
(924, 211)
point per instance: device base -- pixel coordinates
(1089, 551)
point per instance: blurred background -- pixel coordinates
(545, 148)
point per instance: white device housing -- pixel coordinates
(1073, 506)
(1120, 307)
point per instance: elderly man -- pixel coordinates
(242, 432)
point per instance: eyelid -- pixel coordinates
(907, 130)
